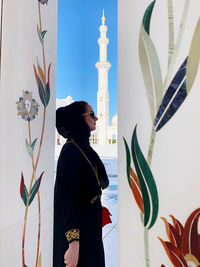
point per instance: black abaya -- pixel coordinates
(77, 205)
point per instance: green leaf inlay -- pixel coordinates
(151, 71)
(35, 188)
(147, 17)
(147, 183)
(42, 92)
(43, 34)
(128, 160)
(47, 93)
(29, 149)
(33, 144)
(193, 58)
(39, 35)
(25, 195)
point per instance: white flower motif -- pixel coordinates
(27, 106)
(43, 1)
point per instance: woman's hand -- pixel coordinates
(71, 255)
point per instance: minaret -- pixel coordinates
(103, 67)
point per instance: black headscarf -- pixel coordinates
(71, 125)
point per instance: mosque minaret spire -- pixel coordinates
(103, 67)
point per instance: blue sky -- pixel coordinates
(78, 50)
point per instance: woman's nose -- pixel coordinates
(96, 118)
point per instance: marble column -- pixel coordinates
(27, 131)
(158, 81)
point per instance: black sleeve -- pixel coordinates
(70, 165)
(103, 178)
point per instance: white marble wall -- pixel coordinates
(20, 49)
(175, 161)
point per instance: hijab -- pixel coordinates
(71, 125)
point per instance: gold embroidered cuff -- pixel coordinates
(72, 234)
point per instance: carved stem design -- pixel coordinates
(146, 237)
(171, 30)
(27, 204)
(41, 140)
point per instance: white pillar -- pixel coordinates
(175, 156)
(103, 67)
(22, 46)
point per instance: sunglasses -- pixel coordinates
(90, 113)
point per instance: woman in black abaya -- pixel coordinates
(77, 195)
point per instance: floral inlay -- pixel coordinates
(165, 96)
(27, 106)
(28, 109)
(183, 246)
(43, 1)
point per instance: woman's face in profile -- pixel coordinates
(90, 118)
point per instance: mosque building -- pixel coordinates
(104, 133)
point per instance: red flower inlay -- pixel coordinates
(183, 249)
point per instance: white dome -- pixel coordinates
(69, 100)
(115, 120)
(64, 101)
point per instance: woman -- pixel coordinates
(80, 177)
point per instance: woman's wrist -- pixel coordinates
(74, 244)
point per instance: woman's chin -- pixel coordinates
(93, 128)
